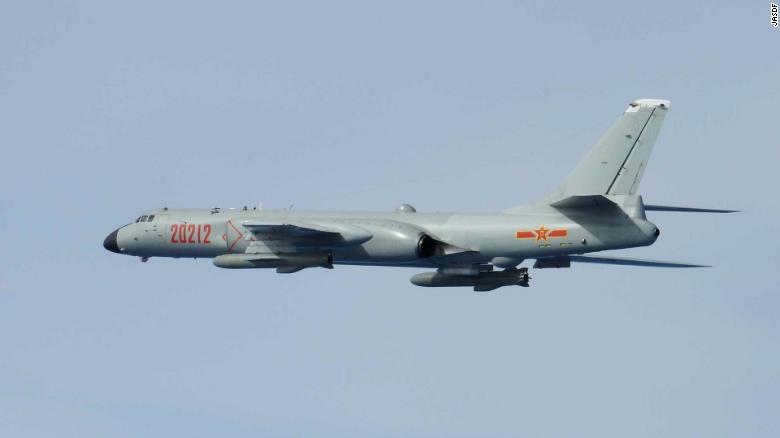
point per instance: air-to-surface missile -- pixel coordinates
(482, 282)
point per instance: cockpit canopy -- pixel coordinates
(145, 218)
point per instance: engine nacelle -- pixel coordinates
(392, 241)
(260, 261)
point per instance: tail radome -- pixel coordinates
(615, 165)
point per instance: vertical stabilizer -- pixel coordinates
(617, 162)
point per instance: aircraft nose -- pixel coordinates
(110, 242)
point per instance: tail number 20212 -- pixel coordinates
(191, 233)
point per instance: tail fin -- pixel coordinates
(615, 165)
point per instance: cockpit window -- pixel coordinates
(150, 218)
(139, 219)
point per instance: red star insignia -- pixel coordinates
(541, 233)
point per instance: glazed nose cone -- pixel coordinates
(110, 242)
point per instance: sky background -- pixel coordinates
(108, 109)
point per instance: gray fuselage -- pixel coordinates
(503, 239)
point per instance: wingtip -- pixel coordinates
(629, 261)
(718, 211)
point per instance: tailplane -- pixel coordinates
(615, 165)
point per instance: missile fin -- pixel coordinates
(487, 287)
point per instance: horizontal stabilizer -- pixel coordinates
(625, 261)
(686, 209)
(583, 201)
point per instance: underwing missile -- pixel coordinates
(482, 282)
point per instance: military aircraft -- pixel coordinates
(596, 208)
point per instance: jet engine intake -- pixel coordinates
(426, 246)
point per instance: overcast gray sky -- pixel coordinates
(108, 109)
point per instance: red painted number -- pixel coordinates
(191, 233)
(207, 230)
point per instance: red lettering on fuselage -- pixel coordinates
(191, 233)
(207, 229)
